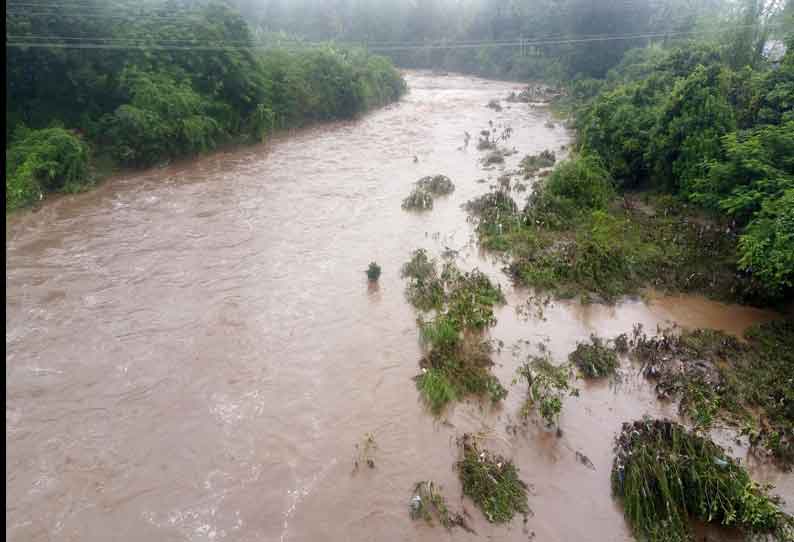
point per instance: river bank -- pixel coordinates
(194, 351)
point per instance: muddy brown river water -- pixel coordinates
(193, 351)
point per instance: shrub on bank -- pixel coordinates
(42, 161)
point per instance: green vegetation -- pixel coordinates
(40, 161)
(716, 377)
(594, 360)
(548, 385)
(428, 502)
(692, 123)
(576, 238)
(438, 185)
(373, 271)
(665, 476)
(532, 163)
(457, 362)
(151, 103)
(492, 482)
(419, 200)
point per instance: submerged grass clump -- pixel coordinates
(594, 360)
(428, 502)
(548, 385)
(452, 372)
(457, 362)
(492, 482)
(438, 185)
(418, 200)
(425, 288)
(532, 163)
(665, 476)
(373, 271)
(716, 377)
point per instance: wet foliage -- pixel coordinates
(718, 378)
(429, 503)
(421, 198)
(594, 359)
(457, 362)
(144, 105)
(532, 163)
(418, 200)
(438, 185)
(547, 387)
(373, 271)
(43, 161)
(451, 372)
(695, 123)
(666, 476)
(425, 289)
(575, 238)
(492, 482)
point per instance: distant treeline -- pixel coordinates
(145, 87)
(414, 34)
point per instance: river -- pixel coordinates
(192, 352)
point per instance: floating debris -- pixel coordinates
(495, 105)
(492, 482)
(548, 385)
(365, 452)
(584, 460)
(427, 502)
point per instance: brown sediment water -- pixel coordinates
(193, 351)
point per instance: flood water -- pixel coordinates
(193, 351)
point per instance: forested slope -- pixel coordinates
(140, 85)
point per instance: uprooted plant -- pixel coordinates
(548, 385)
(365, 452)
(716, 377)
(489, 139)
(665, 476)
(427, 502)
(491, 481)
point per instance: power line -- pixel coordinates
(203, 44)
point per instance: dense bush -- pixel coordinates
(687, 122)
(575, 186)
(145, 106)
(40, 161)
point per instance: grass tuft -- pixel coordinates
(594, 360)
(665, 476)
(492, 482)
